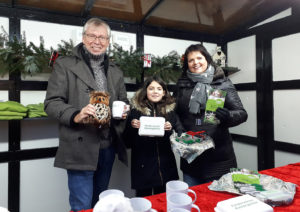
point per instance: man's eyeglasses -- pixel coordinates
(92, 37)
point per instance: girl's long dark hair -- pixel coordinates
(166, 99)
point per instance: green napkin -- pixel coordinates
(36, 110)
(36, 107)
(11, 117)
(11, 113)
(35, 114)
(13, 106)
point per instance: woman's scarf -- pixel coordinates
(199, 95)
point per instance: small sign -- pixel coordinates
(147, 61)
(245, 203)
(152, 126)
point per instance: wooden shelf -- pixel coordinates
(230, 70)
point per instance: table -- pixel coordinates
(207, 199)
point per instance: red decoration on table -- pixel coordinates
(200, 133)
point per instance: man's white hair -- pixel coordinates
(96, 22)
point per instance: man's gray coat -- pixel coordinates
(67, 93)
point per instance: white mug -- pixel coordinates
(111, 191)
(180, 200)
(112, 201)
(140, 204)
(177, 186)
(3, 209)
(118, 108)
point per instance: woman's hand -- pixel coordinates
(135, 123)
(168, 126)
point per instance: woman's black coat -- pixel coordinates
(213, 163)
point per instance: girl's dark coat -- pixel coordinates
(152, 160)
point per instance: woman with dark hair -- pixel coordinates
(153, 163)
(199, 76)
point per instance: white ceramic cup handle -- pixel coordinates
(196, 207)
(195, 195)
(153, 210)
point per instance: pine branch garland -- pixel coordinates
(131, 62)
(16, 56)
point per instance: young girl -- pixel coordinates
(152, 160)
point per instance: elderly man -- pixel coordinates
(87, 152)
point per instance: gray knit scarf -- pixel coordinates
(199, 95)
(96, 62)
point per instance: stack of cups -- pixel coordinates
(112, 200)
(178, 199)
(110, 192)
(140, 204)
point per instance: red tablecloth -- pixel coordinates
(207, 199)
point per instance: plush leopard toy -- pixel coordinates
(101, 101)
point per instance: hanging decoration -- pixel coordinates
(147, 60)
(219, 57)
(134, 63)
(53, 57)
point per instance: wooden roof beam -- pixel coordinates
(87, 8)
(151, 10)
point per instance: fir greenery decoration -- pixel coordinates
(167, 67)
(18, 57)
(131, 63)
(66, 48)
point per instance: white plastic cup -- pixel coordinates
(3, 209)
(180, 200)
(111, 191)
(118, 108)
(140, 204)
(112, 201)
(177, 186)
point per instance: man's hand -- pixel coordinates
(125, 111)
(86, 115)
